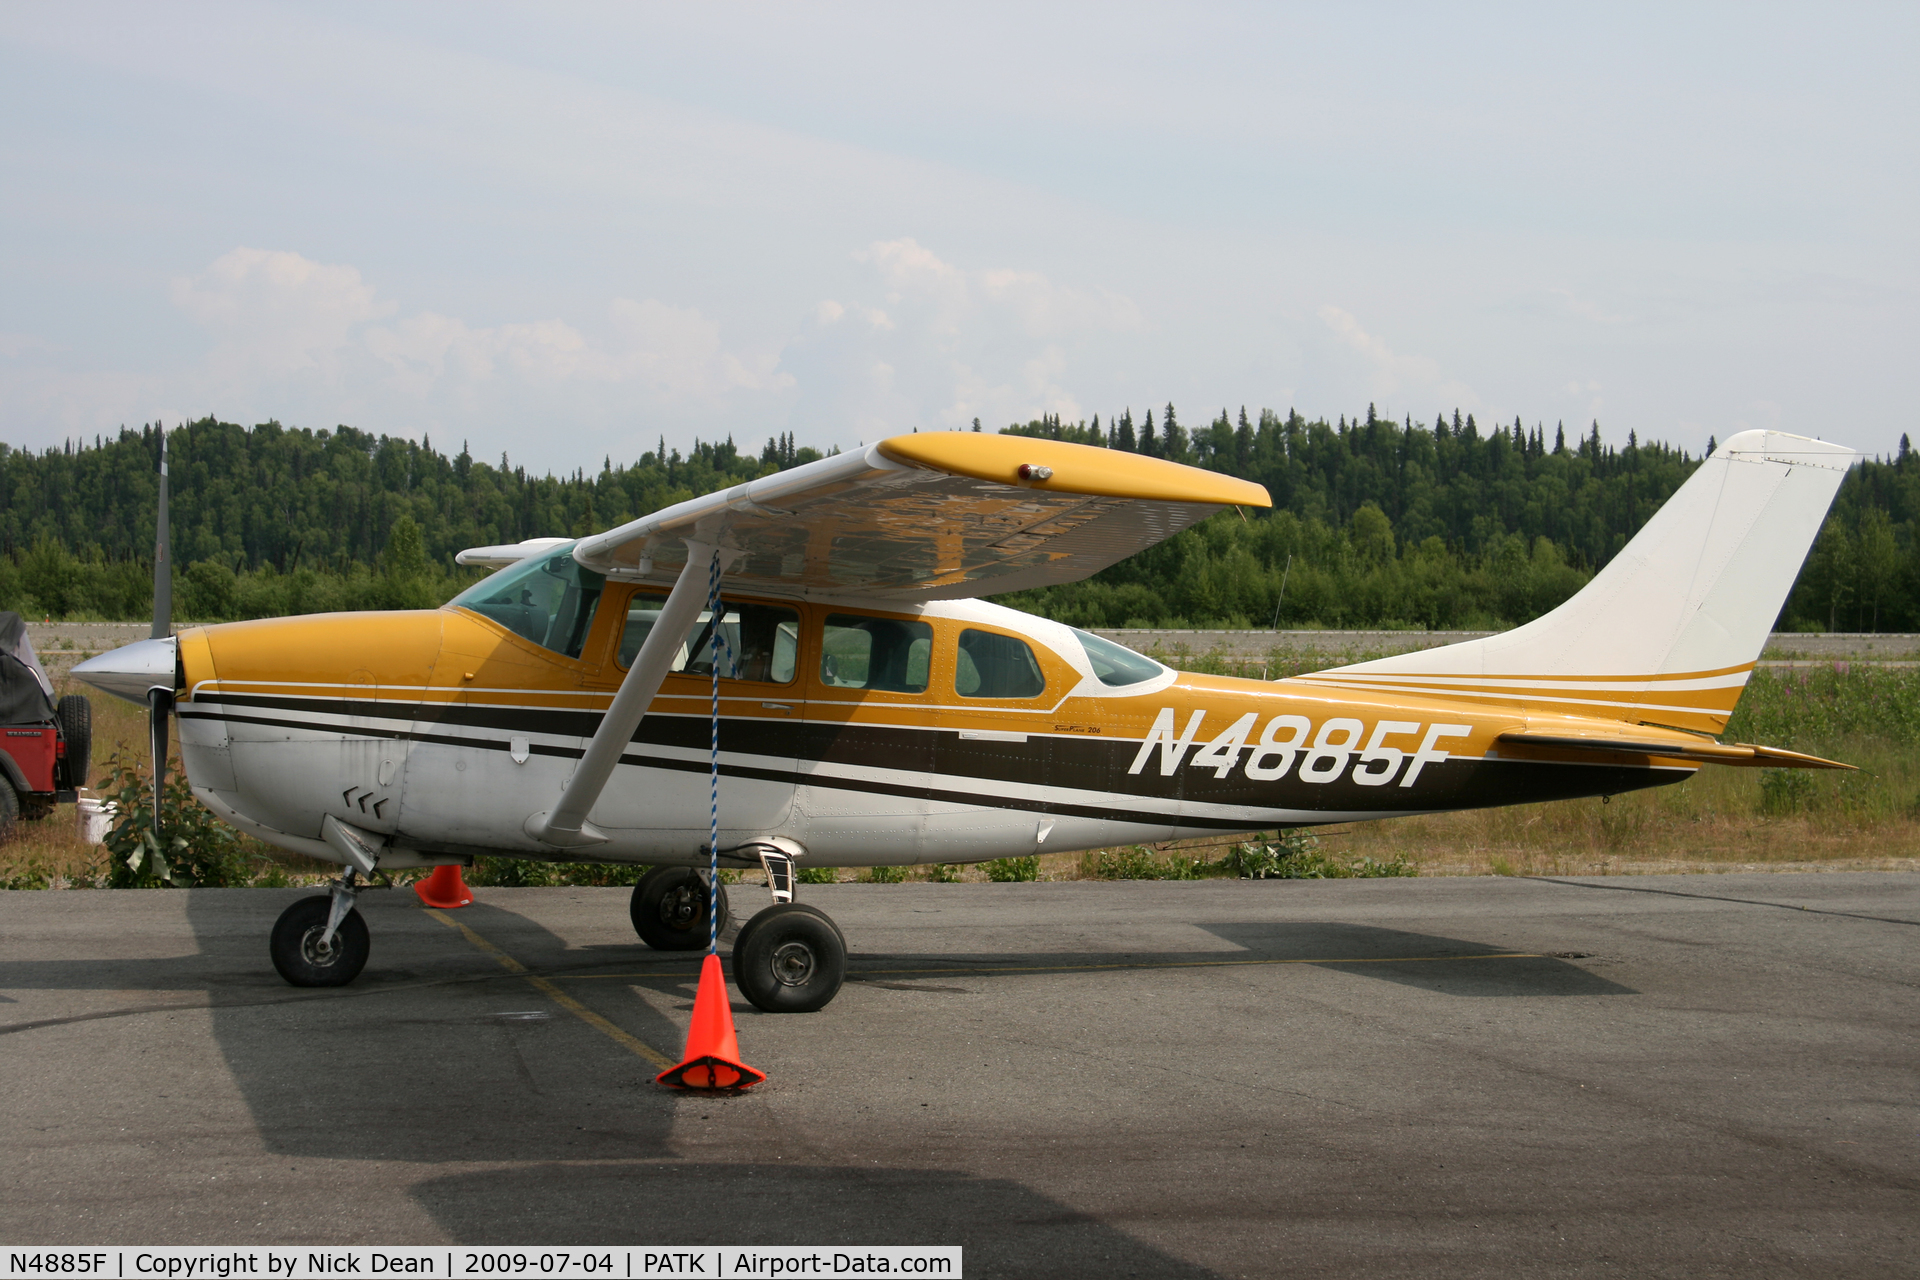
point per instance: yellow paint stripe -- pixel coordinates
(856, 974)
(546, 987)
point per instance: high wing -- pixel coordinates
(931, 516)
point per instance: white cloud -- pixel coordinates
(953, 343)
(282, 323)
(1586, 309)
(275, 313)
(1391, 375)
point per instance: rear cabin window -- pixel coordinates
(760, 642)
(548, 599)
(888, 654)
(990, 665)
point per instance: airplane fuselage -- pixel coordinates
(946, 732)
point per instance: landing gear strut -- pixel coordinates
(322, 941)
(789, 958)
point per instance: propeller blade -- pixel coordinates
(162, 557)
(161, 702)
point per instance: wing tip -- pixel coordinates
(1071, 468)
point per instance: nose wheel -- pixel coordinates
(321, 941)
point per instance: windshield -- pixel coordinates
(1115, 664)
(548, 599)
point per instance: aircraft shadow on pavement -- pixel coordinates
(437, 1052)
(1007, 1228)
(421, 1066)
(1371, 950)
(1450, 966)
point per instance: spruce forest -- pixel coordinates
(1375, 523)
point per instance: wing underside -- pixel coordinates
(930, 517)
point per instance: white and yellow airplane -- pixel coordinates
(868, 712)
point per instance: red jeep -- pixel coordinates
(44, 744)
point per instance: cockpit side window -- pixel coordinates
(548, 599)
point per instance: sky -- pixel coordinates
(567, 231)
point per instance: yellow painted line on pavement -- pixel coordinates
(546, 987)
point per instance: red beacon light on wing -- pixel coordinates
(1032, 471)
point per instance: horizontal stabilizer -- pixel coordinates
(1700, 750)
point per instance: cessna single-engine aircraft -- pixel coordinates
(869, 712)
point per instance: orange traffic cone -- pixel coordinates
(444, 888)
(712, 1060)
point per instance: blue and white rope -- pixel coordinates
(714, 641)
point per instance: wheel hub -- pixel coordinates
(680, 908)
(317, 949)
(793, 964)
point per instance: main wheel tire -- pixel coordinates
(297, 952)
(790, 959)
(669, 909)
(75, 715)
(746, 930)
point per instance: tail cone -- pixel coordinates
(712, 1061)
(444, 888)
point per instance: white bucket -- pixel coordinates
(95, 817)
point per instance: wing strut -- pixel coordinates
(566, 825)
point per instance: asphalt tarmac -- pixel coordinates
(1646, 1076)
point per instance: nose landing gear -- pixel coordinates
(322, 941)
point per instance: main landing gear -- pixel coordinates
(322, 941)
(789, 958)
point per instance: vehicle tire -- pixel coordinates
(790, 959)
(9, 809)
(75, 715)
(296, 950)
(669, 909)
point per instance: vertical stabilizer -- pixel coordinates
(1668, 631)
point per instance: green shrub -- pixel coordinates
(1295, 855)
(522, 873)
(819, 875)
(31, 876)
(885, 875)
(510, 873)
(193, 849)
(1814, 708)
(943, 873)
(1138, 863)
(1013, 870)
